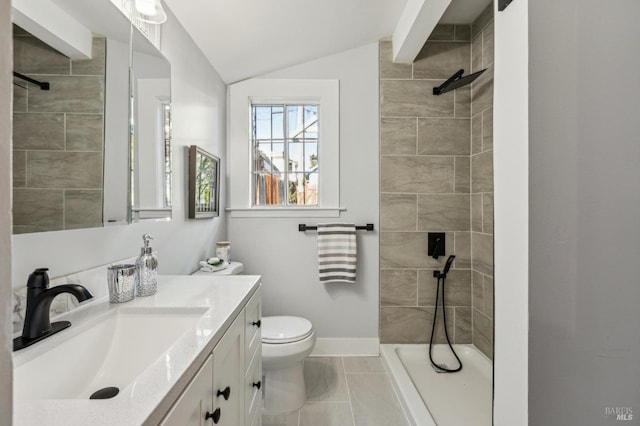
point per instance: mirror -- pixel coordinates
(151, 132)
(72, 163)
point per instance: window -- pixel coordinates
(284, 140)
(283, 148)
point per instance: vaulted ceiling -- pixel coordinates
(248, 38)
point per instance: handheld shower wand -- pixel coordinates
(442, 368)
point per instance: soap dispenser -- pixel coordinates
(146, 269)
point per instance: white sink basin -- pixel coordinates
(113, 352)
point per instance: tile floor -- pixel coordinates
(345, 391)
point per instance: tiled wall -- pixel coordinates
(57, 138)
(482, 182)
(425, 147)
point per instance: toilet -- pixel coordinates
(286, 342)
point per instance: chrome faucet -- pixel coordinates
(37, 324)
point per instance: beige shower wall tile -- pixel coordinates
(482, 92)
(398, 287)
(462, 250)
(82, 209)
(408, 250)
(487, 129)
(483, 333)
(476, 212)
(38, 131)
(95, 65)
(444, 136)
(443, 212)
(410, 98)
(463, 32)
(19, 169)
(487, 45)
(32, 56)
(482, 249)
(70, 170)
(82, 94)
(417, 174)
(443, 32)
(476, 53)
(39, 208)
(388, 69)
(84, 132)
(488, 296)
(398, 136)
(463, 174)
(462, 102)
(463, 329)
(19, 96)
(457, 285)
(482, 20)
(398, 212)
(477, 291)
(482, 172)
(405, 325)
(440, 60)
(487, 213)
(476, 134)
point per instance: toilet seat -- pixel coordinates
(285, 329)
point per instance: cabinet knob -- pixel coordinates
(257, 323)
(215, 416)
(226, 392)
(257, 384)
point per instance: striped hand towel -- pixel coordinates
(337, 252)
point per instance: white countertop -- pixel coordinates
(150, 396)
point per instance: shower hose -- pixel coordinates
(441, 368)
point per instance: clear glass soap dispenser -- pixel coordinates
(146, 269)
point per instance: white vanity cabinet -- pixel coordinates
(226, 389)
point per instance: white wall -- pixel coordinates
(584, 130)
(285, 257)
(511, 164)
(198, 101)
(6, 65)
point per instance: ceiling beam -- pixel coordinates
(54, 26)
(414, 27)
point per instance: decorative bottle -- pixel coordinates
(146, 269)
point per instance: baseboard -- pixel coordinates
(346, 347)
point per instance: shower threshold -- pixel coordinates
(440, 399)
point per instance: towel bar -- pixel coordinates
(302, 227)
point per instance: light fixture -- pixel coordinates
(149, 11)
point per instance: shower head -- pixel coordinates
(456, 81)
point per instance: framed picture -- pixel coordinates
(204, 184)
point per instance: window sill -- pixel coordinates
(285, 212)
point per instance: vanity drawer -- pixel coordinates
(253, 395)
(253, 317)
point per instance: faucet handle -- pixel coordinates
(38, 279)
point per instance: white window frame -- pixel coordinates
(326, 94)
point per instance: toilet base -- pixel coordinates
(284, 389)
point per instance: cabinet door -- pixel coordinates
(228, 392)
(195, 402)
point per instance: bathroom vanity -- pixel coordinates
(189, 355)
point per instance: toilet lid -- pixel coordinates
(285, 329)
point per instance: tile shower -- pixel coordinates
(58, 137)
(437, 176)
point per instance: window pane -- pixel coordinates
(262, 157)
(310, 156)
(311, 189)
(277, 156)
(296, 157)
(269, 189)
(311, 122)
(295, 119)
(262, 122)
(277, 123)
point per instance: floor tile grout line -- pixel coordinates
(346, 384)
